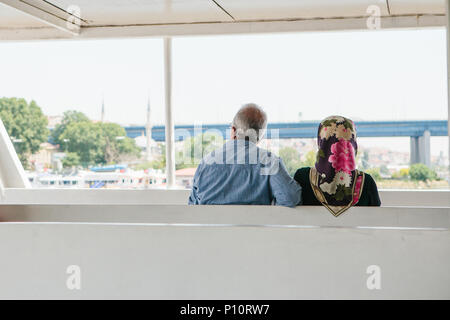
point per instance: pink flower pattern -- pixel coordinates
(357, 190)
(343, 157)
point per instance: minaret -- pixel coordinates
(103, 110)
(148, 133)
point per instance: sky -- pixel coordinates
(364, 75)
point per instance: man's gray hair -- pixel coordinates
(250, 122)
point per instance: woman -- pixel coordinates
(334, 182)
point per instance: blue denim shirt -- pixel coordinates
(241, 173)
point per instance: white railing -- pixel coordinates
(414, 198)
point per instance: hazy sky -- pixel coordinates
(368, 75)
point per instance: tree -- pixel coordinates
(291, 159)
(116, 143)
(375, 173)
(84, 139)
(402, 174)
(69, 117)
(154, 164)
(25, 124)
(421, 172)
(310, 159)
(195, 148)
(71, 160)
(98, 143)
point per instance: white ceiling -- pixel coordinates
(131, 13)
(11, 18)
(126, 12)
(417, 6)
(288, 9)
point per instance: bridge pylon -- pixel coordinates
(420, 149)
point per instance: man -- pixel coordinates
(242, 173)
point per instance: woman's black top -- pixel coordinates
(369, 195)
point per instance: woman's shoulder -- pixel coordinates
(368, 180)
(370, 196)
(304, 170)
(302, 174)
(370, 185)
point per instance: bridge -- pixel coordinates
(418, 131)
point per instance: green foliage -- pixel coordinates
(95, 143)
(195, 148)
(291, 159)
(342, 192)
(320, 154)
(329, 122)
(71, 160)
(155, 164)
(69, 117)
(25, 124)
(115, 143)
(421, 172)
(375, 173)
(310, 158)
(348, 125)
(402, 174)
(84, 139)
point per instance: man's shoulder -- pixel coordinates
(266, 152)
(229, 152)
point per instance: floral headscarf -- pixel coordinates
(334, 179)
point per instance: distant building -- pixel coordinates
(184, 177)
(102, 116)
(150, 148)
(143, 143)
(43, 158)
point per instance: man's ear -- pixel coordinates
(233, 133)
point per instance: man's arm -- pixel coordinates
(286, 191)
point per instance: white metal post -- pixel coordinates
(447, 12)
(170, 136)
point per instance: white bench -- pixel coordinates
(222, 252)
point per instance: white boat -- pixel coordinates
(128, 179)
